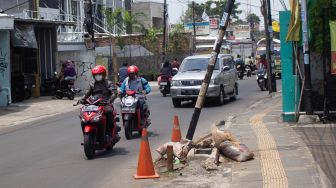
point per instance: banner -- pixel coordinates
(333, 46)
(295, 22)
(23, 36)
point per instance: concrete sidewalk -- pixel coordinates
(281, 159)
(39, 108)
(34, 109)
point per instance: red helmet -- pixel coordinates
(98, 70)
(132, 69)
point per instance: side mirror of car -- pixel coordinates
(226, 68)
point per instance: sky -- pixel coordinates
(177, 7)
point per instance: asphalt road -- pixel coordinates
(48, 153)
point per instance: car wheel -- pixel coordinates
(221, 97)
(176, 102)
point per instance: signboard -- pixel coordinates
(242, 31)
(213, 23)
(202, 28)
(229, 35)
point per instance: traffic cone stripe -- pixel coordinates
(176, 135)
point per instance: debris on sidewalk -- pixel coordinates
(180, 149)
(210, 150)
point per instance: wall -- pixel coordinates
(143, 7)
(84, 62)
(4, 67)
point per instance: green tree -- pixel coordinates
(217, 10)
(131, 23)
(252, 19)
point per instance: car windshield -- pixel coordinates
(197, 64)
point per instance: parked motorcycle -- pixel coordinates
(66, 89)
(94, 124)
(240, 71)
(164, 82)
(261, 77)
(130, 113)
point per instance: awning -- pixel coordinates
(23, 36)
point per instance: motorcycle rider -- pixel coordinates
(138, 84)
(262, 62)
(175, 64)
(105, 87)
(123, 72)
(166, 69)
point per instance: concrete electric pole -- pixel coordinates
(205, 84)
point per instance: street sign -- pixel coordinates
(202, 28)
(213, 23)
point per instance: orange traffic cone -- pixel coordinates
(176, 136)
(145, 163)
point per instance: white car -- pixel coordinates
(187, 82)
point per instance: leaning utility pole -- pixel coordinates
(91, 12)
(271, 48)
(307, 83)
(194, 26)
(214, 55)
(164, 27)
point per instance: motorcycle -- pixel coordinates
(130, 113)
(248, 70)
(261, 77)
(94, 124)
(66, 89)
(240, 71)
(164, 82)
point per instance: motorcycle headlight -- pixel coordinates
(176, 83)
(97, 118)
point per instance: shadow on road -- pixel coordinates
(107, 154)
(321, 140)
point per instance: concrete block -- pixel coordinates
(308, 119)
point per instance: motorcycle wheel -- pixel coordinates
(58, 95)
(71, 95)
(164, 93)
(261, 85)
(128, 130)
(89, 148)
(27, 94)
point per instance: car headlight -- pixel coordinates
(176, 83)
(212, 82)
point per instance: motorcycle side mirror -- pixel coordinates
(226, 68)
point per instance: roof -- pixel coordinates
(206, 56)
(42, 22)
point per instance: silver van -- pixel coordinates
(187, 82)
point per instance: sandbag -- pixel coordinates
(240, 154)
(219, 136)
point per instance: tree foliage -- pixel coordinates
(124, 19)
(253, 19)
(217, 10)
(316, 20)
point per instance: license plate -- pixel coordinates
(190, 92)
(163, 83)
(128, 110)
(90, 108)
